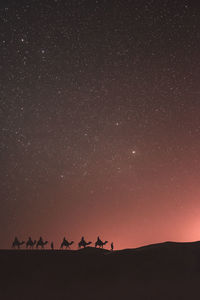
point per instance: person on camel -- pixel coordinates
(30, 243)
(83, 243)
(64, 240)
(99, 240)
(30, 240)
(17, 243)
(40, 240)
(99, 243)
(41, 243)
(83, 240)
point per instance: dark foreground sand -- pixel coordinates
(161, 271)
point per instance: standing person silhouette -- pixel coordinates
(52, 246)
(112, 246)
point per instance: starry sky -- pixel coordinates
(100, 120)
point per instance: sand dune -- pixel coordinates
(160, 271)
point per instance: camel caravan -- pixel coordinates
(30, 244)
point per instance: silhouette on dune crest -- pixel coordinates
(30, 243)
(52, 246)
(17, 243)
(99, 243)
(66, 244)
(112, 246)
(83, 243)
(41, 243)
(167, 271)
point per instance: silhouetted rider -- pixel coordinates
(40, 240)
(99, 240)
(83, 240)
(30, 240)
(16, 240)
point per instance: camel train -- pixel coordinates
(65, 243)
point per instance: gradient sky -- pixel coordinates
(100, 120)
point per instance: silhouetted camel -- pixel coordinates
(30, 243)
(66, 244)
(100, 243)
(83, 243)
(17, 243)
(63, 242)
(41, 243)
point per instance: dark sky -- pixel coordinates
(100, 120)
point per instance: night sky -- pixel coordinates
(100, 120)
